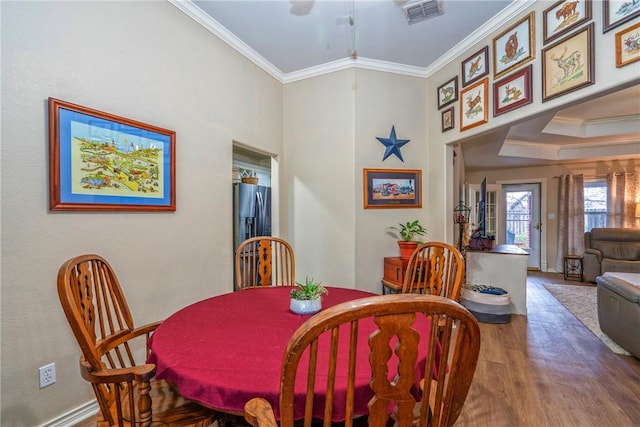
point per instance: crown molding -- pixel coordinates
(502, 18)
(198, 15)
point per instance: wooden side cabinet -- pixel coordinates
(394, 271)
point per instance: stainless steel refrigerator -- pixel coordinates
(251, 212)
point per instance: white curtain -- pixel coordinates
(622, 196)
(570, 217)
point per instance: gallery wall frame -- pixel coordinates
(448, 93)
(513, 91)
(569, 64)
(563, 17)
(628, 45)
(102, 162)
(616, 13)
(448, 119)
(474, 105)
(514, 47)
(475, 67)
(392, 188)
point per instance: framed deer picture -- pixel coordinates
(628, 45)
(448, 92)
(474, 105)
(514, 47)
(564, 16)
(568, 65)
(475, 67)
(512, 92)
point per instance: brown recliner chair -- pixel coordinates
(611, 249)
(619, 309)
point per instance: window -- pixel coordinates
(595, 204)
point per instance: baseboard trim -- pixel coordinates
(73, 417)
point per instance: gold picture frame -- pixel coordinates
(628, 45)
(514, 46)
(569, 64)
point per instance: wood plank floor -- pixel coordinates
(547, 369)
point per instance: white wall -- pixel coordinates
(149, 62)
(331, 125)
(384, 100)
(319, 134)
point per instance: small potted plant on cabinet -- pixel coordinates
(306, 298)
(408, 234)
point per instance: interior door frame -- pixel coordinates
(544, 218)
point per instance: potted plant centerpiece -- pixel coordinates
(409, 240)
(306, 298)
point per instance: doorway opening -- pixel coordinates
(521, 220)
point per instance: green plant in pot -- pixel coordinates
(408, 234)
(306, 297)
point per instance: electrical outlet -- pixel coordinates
(47, 375)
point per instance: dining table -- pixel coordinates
(227, 349)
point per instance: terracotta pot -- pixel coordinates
(406, 248)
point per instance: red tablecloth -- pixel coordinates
(225, 350)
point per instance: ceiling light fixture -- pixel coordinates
(421, 10)
(352, 28)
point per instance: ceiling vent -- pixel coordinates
(421, 10)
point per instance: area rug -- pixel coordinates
(581, 301)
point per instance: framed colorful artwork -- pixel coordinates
(100, 161)
(512, 92)
(392, 188)
(448, 92)
(564, 16)
(628, 45)
(475, 67)
(474, 105)
(568, 64)
(448, 119)
(618, 12)
(514, 47)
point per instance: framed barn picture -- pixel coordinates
(392, 188)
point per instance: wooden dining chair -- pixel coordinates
(101, 321)
(393, 350)
(264, 261)
(436, 268)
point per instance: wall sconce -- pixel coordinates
(637, 210)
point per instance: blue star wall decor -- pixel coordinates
(393, 144)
